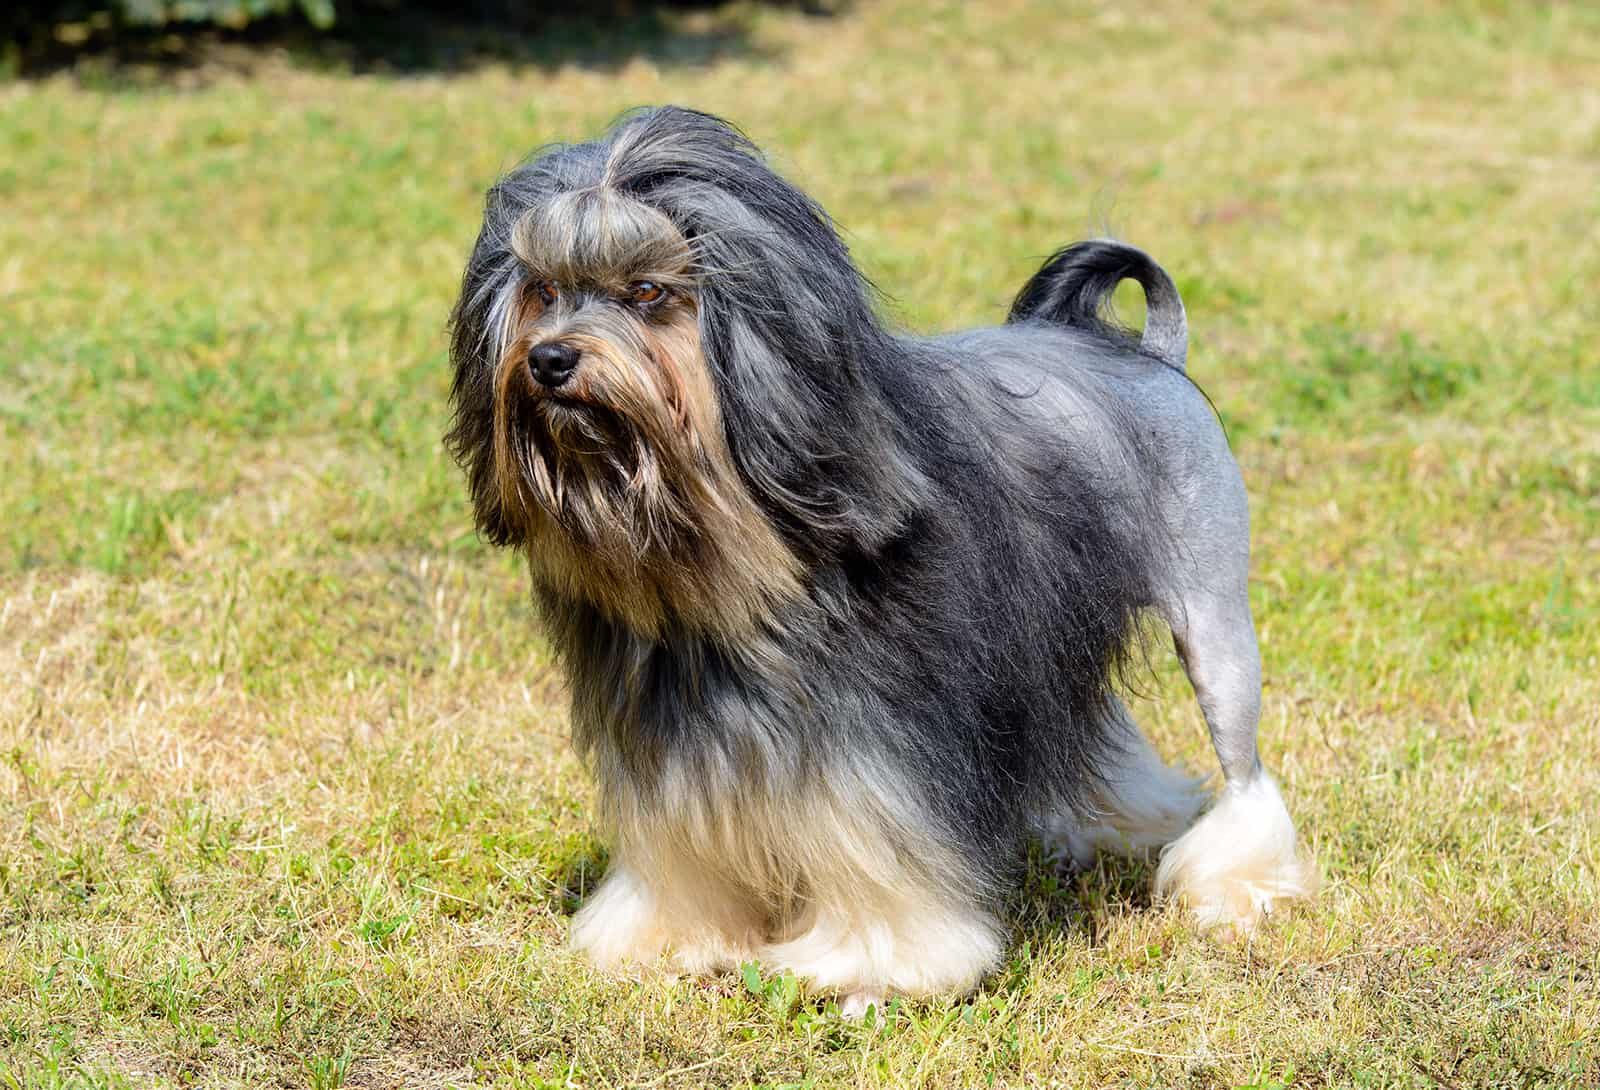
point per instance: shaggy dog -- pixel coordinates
(844, 609)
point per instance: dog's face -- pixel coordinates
(659, 388)
(603, 405)
(609, 458)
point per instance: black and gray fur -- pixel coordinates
(981, 520)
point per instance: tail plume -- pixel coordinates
(1073, 286)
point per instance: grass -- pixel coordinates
(285, 795)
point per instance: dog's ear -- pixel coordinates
(799, 417)
(788, 330)
(475, 341)
(795, 349)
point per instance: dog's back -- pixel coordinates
(1061, 375)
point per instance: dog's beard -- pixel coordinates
(627, 496)
(613, 487)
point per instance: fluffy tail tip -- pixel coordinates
(1074, 284)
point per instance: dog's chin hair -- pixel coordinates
(627, 497)
(831, 879)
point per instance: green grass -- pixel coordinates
(285, 792)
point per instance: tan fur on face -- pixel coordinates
(624, 482)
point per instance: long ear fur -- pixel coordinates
(788, 328)
(474, 343)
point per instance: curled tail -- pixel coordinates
(1075, 283)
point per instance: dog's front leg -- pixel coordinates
(872, 942)
(670, 909)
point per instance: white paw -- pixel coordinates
(1239, 861)
(855, 1005)
(617, 924)
(916, 950)
(708, 956)
(1140, 806)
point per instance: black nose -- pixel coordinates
(552, 363)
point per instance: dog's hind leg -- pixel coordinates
(1141, 804)
(1240, 858)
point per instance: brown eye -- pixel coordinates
(645, 292)
(548, 292)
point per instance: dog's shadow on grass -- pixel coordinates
(1076, 905)
(1049, 899)
(574, 876)
(406, 41)
(1052, 900)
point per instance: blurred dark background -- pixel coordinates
(40, 37)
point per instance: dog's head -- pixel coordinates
(663, 387)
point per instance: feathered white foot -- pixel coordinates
(626, 921)
(905, 949)
(619, 923)
(1238, 861)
